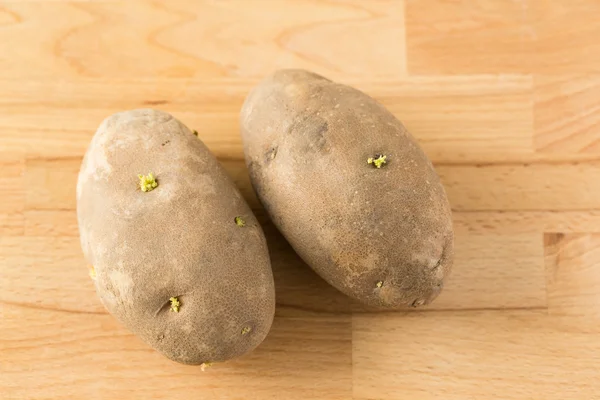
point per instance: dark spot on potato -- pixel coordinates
(297, 125)
(417, 303)
(316, 137)
(270, 154)
(443, 255)
(165, 143)
(320, 141)
(311, 131)
(155, 102)
(322, 128)
(315, 128)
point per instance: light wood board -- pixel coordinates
(504, 96)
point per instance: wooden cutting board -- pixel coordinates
(504, 96)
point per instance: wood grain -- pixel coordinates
(573, 273)
(89, 355)
(567, 114)
(469, 37)
(476, 354)
(435, 108)
(499, 37)
(184, 39)
(502, 95)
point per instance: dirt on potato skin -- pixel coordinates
(381, 235)
(179, 240)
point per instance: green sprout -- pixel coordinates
(92, 272)
(379, 284)
(239, 221)
(246, 330)
(147, 182)
(377, 161)
(175, 304)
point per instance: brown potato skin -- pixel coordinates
(383, 236)
(178, 240)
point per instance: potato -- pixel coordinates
(349, 188)
(178, 256)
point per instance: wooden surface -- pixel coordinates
(503, 95)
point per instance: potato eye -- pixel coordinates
(147, 182)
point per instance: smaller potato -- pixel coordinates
(178, 255)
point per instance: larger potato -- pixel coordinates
(349, 188)
(182, 263)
